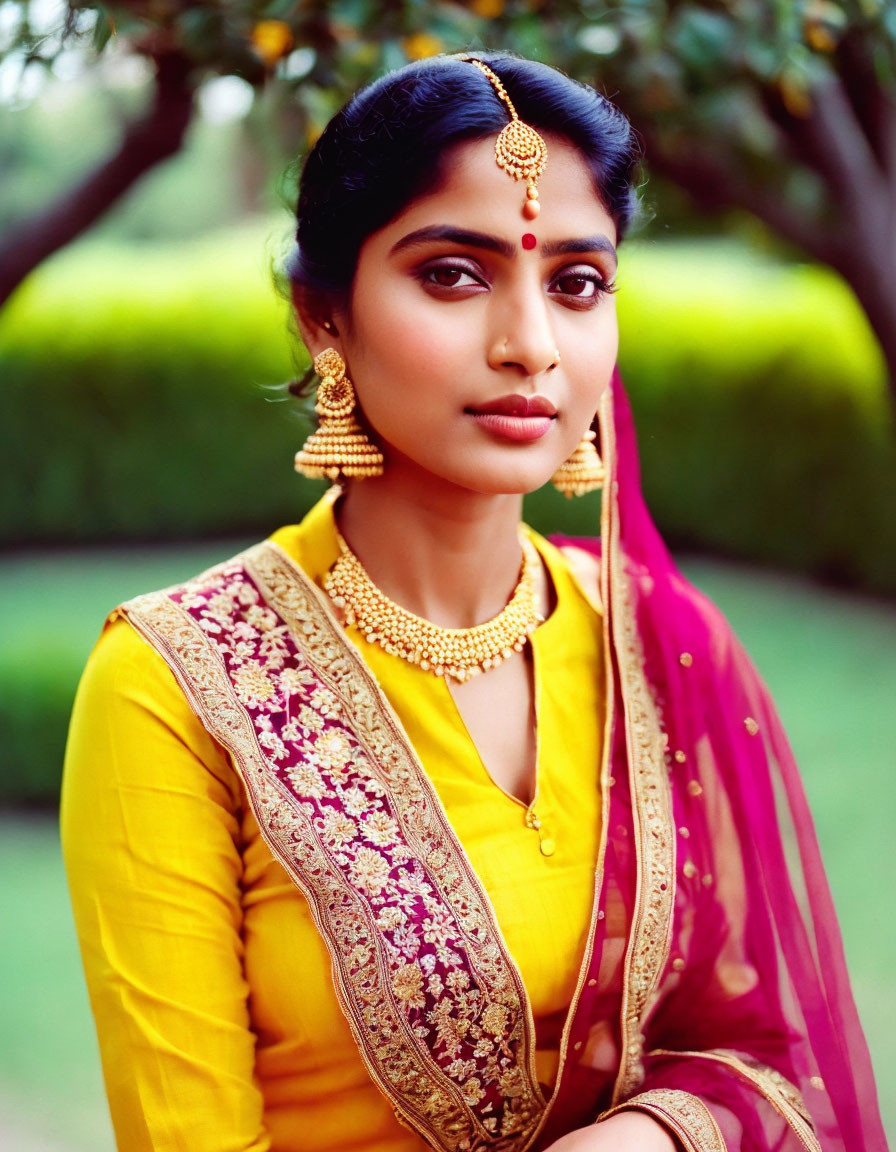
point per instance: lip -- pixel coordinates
(519, 429)
(521, 407)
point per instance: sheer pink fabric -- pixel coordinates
(752, 984)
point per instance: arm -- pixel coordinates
(628, 1131)
(150, 838)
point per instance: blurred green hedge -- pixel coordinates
(141, 397)
(37, 690)
(139, 400)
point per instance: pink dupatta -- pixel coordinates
(737, 1026)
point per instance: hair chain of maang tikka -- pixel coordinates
(519, 149)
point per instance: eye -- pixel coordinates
(584, 284)
(450, 274)
(577, 285)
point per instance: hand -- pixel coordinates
(629, 1131)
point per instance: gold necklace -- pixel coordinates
(456, 652)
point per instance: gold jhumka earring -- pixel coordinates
(519, 149)
(339, 446)
(582, 472)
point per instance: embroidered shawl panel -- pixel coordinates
(434, 1000)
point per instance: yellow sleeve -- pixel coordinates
(150, 834)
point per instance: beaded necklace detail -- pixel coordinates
(458, 653)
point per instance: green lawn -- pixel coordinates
(829, 658)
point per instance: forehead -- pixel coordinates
(475, 192)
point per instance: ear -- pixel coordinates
(316, 325)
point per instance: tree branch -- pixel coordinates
(145, 142)
(829, 140)
(874, 108)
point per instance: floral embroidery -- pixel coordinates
(338, 830)
(435, 1002)
(333, 751)
(407, 984)
(305, 779)
(389, 919)
(380, 829)
(253, 686)
(369, 871)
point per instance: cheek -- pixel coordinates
(594, 356)
(409, 332)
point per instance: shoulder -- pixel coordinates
(128, 692)
(123, 665)
(580, 557)
(131, 713)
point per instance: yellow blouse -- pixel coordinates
(218, 1023)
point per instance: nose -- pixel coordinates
(523, 335)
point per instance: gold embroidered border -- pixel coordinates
(651, 932)
(426, 828)
(685, 1114)
(783, 1096)
(404, 1069)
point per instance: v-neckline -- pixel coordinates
(536, 640)
(476, 754)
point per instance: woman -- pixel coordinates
(406, 827)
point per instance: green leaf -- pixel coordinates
(103, 30)
(705, 41)
(280, 10)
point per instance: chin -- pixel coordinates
(480, 474)
(517, 483)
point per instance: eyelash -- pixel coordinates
(602, 287)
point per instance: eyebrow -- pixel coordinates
(470, 239)
(584, 244)
(457, 236)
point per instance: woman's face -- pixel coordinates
(479, 342)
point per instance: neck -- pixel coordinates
(446, 554)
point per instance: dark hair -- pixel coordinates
(388, 144)
(386, 147)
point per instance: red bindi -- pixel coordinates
(529, 240)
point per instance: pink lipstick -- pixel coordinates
(521, 419)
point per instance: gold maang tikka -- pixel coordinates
(519, 149)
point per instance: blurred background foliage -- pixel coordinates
(152, 407)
